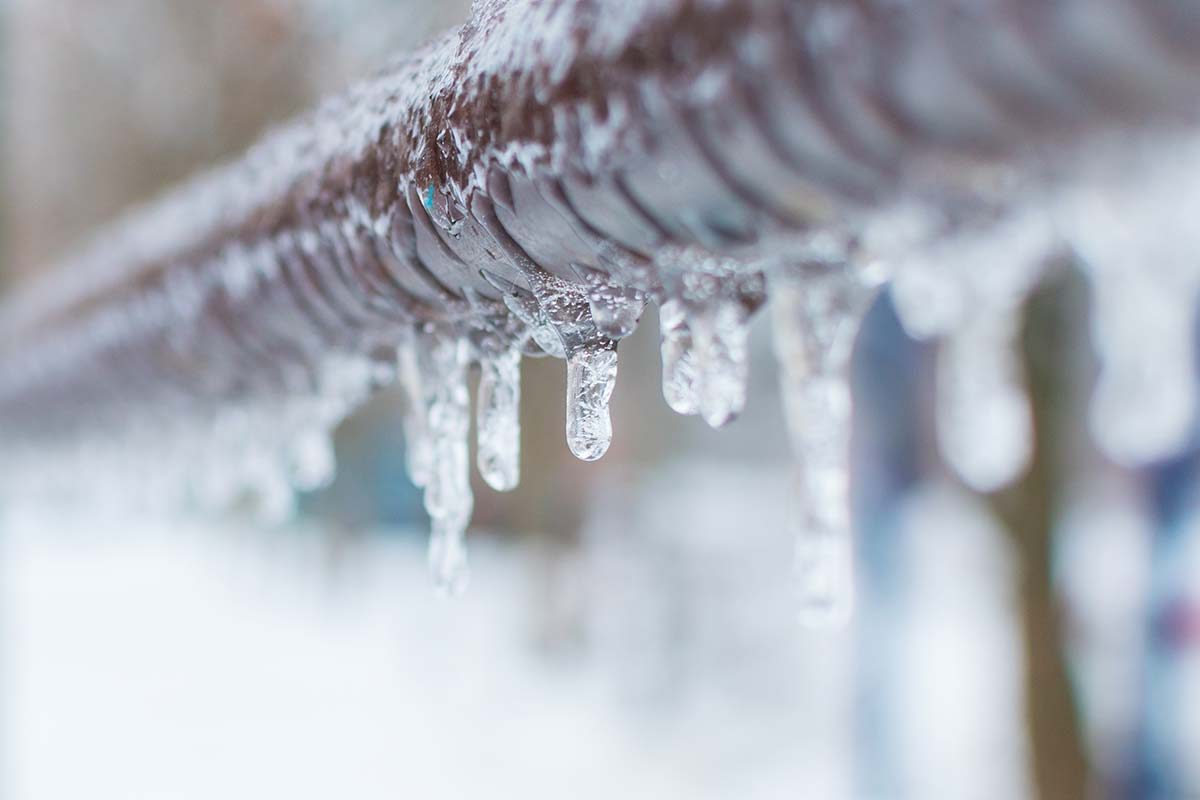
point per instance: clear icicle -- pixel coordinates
(1133, 224)
(969, 287)
(721, 335)
(705, 358)
(418, 455)
(815, 325)
(448, 500)
(704, 316)
(544, 335)
(498, 420)
(984, 423)
(448, 562)
(615, 309)
(680, 383)
(591, 375)
(565, 309)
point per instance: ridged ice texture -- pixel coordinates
(817, 310)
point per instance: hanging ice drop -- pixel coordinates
(984, 423)
(591, 375)
(721, 334)
(563, 308)
(678, 360)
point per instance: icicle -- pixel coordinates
(497, 339)
(815, 324)
(448, 500)
(591, 375)
(498, 420)
(1145, 399)
(565, 309)
(1134, 227)
(418, 444)
(969, 287)
(680, 382)
(704, 321)
(984, 423)
(311, 460)
(720, 333)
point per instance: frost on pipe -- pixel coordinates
(528, 183)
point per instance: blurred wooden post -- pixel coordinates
(1055, 336)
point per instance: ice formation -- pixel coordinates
(817, 310)
(707, 303)
(964, 286)
(442, 362)
(1133, 225)
(497, 420)
(968, 288)
(488, 198)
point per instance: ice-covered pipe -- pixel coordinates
(528, 181)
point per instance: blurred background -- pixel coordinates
(631, 627)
